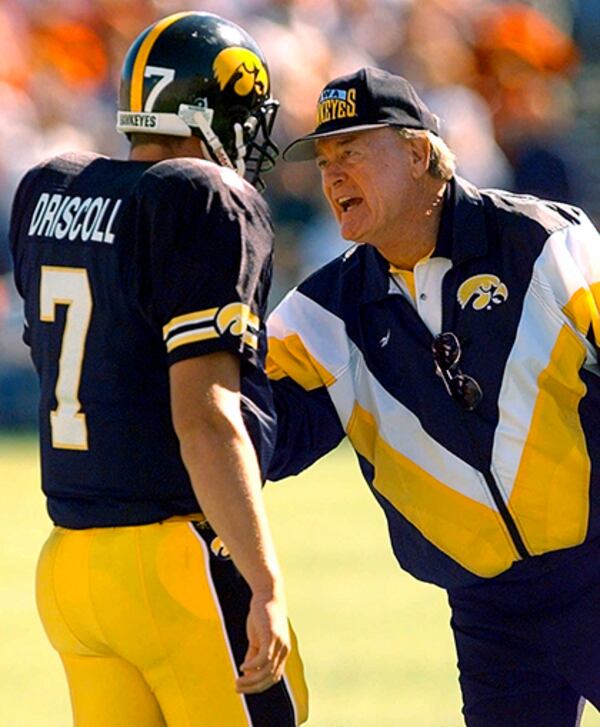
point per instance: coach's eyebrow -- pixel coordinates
(338, 142)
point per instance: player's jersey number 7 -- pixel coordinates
(69, 287)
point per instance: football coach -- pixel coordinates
(456, 346)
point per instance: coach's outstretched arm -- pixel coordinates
(307, 428)
(308, 425)
(223, 469)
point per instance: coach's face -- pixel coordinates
(369, 180)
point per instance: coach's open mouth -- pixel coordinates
(347, 202)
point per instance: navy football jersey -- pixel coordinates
(125, 268)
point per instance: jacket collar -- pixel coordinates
(461, 236)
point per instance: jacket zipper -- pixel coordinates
(494, 490)
(491, 483)
(506, 516)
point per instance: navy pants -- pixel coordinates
(528, 644)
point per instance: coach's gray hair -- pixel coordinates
(442, 163)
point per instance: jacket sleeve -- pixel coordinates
(573, 273)
(308, 425)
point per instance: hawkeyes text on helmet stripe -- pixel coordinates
(137, 78)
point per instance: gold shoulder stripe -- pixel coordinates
(137, 76)
(183, 339)
(199, 316)
(289, 357)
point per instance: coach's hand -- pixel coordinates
(268, 644)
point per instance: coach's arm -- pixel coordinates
(308, 425)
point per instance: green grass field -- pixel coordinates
(376, 644)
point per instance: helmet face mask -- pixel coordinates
(196, 73)
(263, 151)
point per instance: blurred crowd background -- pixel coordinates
(516, 84)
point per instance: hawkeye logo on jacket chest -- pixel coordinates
(482, 292)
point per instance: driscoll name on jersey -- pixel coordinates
(65, 217)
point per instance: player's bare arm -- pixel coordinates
(222, 465)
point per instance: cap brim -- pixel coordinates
(303, 149)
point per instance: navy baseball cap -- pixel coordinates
(367, 99)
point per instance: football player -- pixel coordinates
(145, 282)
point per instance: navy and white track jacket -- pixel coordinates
(466, 494)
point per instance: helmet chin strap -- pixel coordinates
(215, 147)
(240, 148)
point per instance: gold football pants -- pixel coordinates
(150, 624)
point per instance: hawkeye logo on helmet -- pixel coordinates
(336, 103)
(243, 70)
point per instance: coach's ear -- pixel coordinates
(419, 156)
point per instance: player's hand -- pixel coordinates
(268, 645)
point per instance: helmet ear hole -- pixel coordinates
(198, 73)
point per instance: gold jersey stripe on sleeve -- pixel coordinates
(200, 316)
(289, 357)
(481, 544)
(182, 339)
(137, 76)
(235, 319)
